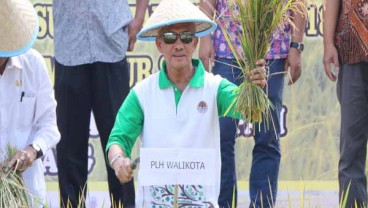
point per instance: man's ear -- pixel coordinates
(158, 44)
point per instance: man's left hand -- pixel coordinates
(133, 29)
(293, 65)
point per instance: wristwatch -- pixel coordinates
(38, 150)
(297, 45)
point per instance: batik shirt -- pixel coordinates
(280, 41)
(352, 32)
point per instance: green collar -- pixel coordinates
(197, 80)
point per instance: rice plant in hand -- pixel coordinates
(257, 21)
(13, 193)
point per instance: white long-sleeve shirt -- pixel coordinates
(27, 113)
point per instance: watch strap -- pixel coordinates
(297, 45)
(39, 152)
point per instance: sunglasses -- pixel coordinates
(186, 37)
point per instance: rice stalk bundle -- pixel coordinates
(13, 193)
(256, 20)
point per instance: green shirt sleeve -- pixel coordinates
(128, 124)
(226, 99)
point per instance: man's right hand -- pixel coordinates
(206, 52)
(123, 170)
(330, 57)
(23, 159)
(258, 75)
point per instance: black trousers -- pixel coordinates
(352, 92)
(100, 87)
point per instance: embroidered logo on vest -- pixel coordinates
(202, 107)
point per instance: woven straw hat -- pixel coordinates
(170, 12)
(18, 27)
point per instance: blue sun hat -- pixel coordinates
(18, 27)
(170, 12)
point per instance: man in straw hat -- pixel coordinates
(27, 104)
(91, 74)
(175, 109)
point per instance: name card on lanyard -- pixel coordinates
(162, 166)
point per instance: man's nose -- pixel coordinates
(178, 44)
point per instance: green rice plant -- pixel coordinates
(12, 189)
(234, 197)
(301, 194)
(257, 20)
(344, 199)
(289, 201)
(82, 201)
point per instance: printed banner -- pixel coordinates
(310, 117)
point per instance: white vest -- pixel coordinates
(194, 123)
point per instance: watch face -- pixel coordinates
(36, 147)
(301, 46)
